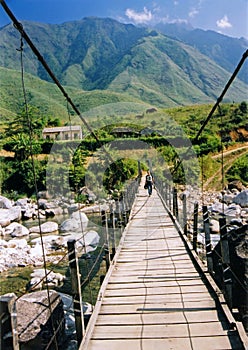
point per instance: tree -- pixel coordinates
(27, 121)
(243, 107)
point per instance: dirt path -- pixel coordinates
(227, 165)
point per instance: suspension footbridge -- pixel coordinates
(155, 296)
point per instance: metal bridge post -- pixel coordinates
(169, 192)
(139, 169)
(184, 214)
(76, 290)
(112, 236)
(207, 239)
(106, 250)
(195, 226)
(245, 313)
(8, 320)
(227, 274)
(175, 203)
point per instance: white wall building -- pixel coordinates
(73, 132)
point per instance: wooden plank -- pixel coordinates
(159, 331)
(138, 331)
(157, 307)
(201, 316)
(153, 298)
(149, 344)
(151, 284)
(158, 290)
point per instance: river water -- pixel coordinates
(16, 279)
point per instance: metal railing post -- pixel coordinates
(175, 203)
(195, 226)
(184, 214)
(227, 274)
(76, 290)
(206, 226)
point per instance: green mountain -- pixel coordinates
(222, 49)
(113, 59)
(47, 97)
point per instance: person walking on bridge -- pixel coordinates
(149, 182)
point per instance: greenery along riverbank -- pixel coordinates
(157, 130)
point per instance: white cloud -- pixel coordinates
(194, 11)
(224, 23)
(139, 17)
(178, 21)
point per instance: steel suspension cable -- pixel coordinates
(220, 98)
(30, 134)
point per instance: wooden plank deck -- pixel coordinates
(153, 297)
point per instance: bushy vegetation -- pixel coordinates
(239, 170)
(170, 131)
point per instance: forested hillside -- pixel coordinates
(103, 54)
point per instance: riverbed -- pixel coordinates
(16, 279)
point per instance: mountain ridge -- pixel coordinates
(104, 54)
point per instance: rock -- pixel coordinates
(16, 230)
(91, 238)
(50, 208)
(51, 242)
(242, 199)
(43, 194)
(233, 210)
(17, 243)
(86, 243)
(228, 198)
(53, 279)
(27, 208)
(242, 249)
(91, 209)
(3, 243)
(81, 217)
(42, 203)
(69, 312)
(23, 202)
(72, 208)
(70, 225)
(217, 207)
(37, 251)
(35, 322)
(5, 203)
(34, 284)
(236, 222)
(214, 226)
(58, 242)
(2, 231)
(77, 223)
(91, 197)
(54, 211)
(9, 215)
(46, 227)
(29, 214)
(236, 184)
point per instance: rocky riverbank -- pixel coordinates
(23, 242)
(21, 238)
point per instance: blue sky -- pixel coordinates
(229, 17)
